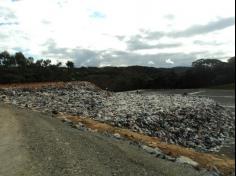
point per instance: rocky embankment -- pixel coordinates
(195, 122)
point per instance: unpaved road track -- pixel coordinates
(33, 144)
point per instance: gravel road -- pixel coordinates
(33, 144)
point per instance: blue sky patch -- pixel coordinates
(97, 14)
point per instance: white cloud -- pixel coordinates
(150, 63)
(95, 24)
(169, 61)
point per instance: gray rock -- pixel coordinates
(67, 122)
(170, 158)
(186, 160)
(155, 151)
(117, 135)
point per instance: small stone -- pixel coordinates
(67, 122)
(80, 124)
(92, 130)
(117, 135)
(170, 158)
(155, 151)
(82, 127)
(186, 160)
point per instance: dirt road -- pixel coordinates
(34, 144)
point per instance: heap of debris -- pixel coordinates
(189, 121)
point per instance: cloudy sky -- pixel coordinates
(157, 33)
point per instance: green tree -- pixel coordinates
(5, 58)
(46, 63)
(70, 64)
(58, 64)
(231, 61)
(39, 63)
(207, 63)
(20, 59)
(30, 61)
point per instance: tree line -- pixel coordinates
(203, 73)
(19, 60)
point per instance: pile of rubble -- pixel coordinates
(194, 122)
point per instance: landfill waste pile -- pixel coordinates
(190, 121)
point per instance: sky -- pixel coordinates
(155, 33)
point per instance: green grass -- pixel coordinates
(225, 86)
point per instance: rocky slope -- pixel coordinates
(194, 122)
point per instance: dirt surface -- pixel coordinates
(34, 144)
